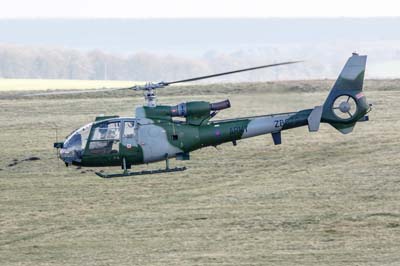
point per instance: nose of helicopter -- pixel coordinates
(69, 154)
(71, 149)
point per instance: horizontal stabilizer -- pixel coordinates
(314, 119)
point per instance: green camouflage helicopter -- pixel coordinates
(153, 135)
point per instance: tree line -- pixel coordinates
(58, 63)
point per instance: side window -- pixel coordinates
(105, 138)
(129, 130)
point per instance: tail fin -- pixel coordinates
(346, 103)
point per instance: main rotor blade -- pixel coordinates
(158, 85)
(230, 72)
(74, 92)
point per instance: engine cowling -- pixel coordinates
(198, 108)
(197, 111)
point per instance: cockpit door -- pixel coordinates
(130, 149)
(104, 144)
(129, 134)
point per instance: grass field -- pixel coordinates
(317, 199)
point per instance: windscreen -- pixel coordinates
(78, 139)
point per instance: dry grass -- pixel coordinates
(317, 199)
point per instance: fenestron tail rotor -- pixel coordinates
(344, 107)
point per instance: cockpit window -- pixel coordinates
(107, 131)
(129, 129)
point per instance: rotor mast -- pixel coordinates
(150, 97)
(149, 92)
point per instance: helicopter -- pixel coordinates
(154, 135)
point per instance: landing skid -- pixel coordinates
(144, 172)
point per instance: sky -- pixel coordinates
(196, 9)
(379, 35)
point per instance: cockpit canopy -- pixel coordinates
(98, 138)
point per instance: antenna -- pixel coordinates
(57, 151)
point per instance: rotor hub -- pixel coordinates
(344, 107)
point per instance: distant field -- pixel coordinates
(318, 199)
(59, 84)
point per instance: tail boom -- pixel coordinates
(344, 107)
